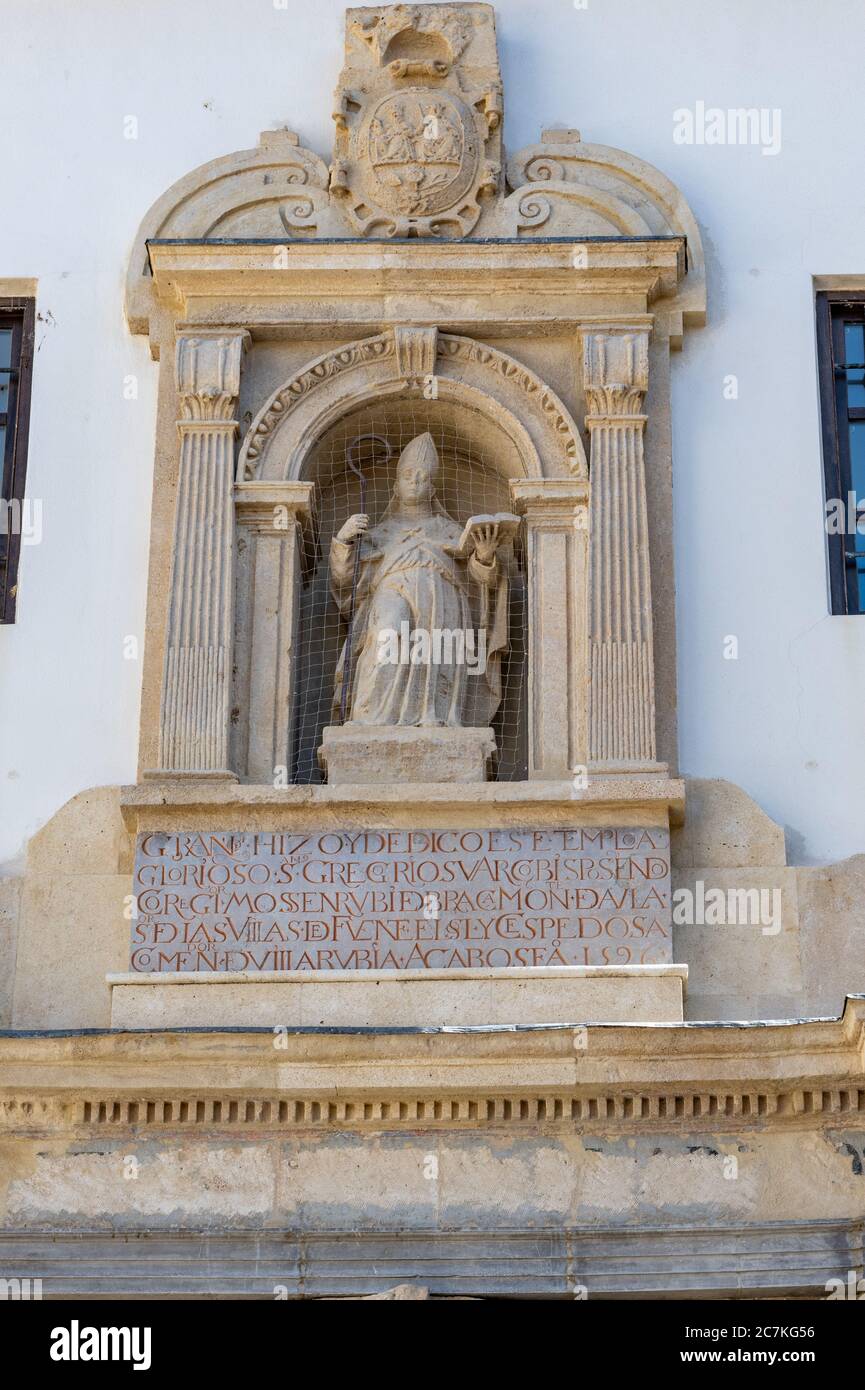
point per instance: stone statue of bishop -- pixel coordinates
(417, 574)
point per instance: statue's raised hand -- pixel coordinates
(486, 539)
(354, 527)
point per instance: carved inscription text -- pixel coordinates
(401, 899)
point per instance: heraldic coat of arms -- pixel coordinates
(418, 116)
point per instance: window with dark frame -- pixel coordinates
(841, 357)
(17, 321)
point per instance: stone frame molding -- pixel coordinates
(510, 398)
(520, 322)
(466, 371)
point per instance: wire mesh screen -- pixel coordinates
(354, 468)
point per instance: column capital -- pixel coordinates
(207, 372)
(272, 505)
(551, 500)
(615, 374)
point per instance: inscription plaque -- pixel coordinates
(261, 901)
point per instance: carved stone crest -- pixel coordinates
(421, 152)
(418, 116)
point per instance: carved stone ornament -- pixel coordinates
(418, 152)
(417, 112)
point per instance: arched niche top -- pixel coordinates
(564, 187)
(459, 430)
(504, 396)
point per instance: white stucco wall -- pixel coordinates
(203, 78)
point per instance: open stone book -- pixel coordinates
(507, 523)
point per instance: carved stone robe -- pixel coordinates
(408, 573)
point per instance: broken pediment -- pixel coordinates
(418, 154)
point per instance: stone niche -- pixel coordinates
(303, 908)
(471, 838)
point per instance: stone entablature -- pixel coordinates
(618, 1079)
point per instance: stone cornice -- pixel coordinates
(541, 277)
(604, 1077)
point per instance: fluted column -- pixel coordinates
(556, 546)
(622, 694)
(197, 673)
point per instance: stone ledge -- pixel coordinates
(652, 798)
(762, 1259)
(375, 998)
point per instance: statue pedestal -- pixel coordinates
(354, 754)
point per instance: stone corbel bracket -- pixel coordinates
(416, 352)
